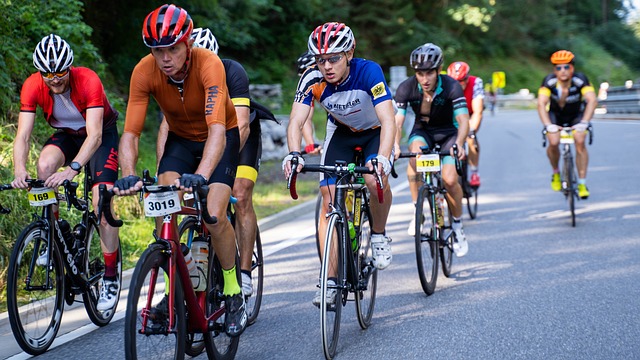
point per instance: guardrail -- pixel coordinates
(621, 100)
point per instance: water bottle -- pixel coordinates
(65, 229)
(352, 235)
(191, 266)
(440, 206)
(200, 250)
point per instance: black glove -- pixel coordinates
(192, 180)
(126, 182)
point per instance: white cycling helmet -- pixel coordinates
(204, 38)
(52, 54)
(331, 37)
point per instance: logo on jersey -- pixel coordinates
(378, 90)
(212, 94)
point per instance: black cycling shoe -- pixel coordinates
(159, 316)
(235, 319)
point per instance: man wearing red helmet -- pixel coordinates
(567, 98)
(474, 94)
(203, 141)
(358, 100)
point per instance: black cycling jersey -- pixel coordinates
(574, 104)
(448, 102)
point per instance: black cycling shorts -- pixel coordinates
(565, 120)
(183, 156)
(445, 137)
(249, 162)
(104, 162)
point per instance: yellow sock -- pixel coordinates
(231, 286)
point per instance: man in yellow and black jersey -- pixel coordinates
(567, 98)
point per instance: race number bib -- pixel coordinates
(428, 163)
(566, 137)
(42, 197)
(161, 203)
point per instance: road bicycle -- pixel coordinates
(150, 330)
(434, 236)
(190, 228)
(470, 193)
(568, 173)
(352, 255)
(52, 262)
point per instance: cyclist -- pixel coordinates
(474, 94)
(358, 100)
(190, 87)
(442, 118)
(75, 104)
(571, 100)
(305, 61)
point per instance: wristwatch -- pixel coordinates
(75, 166)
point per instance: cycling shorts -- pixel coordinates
(340, 145)
(183, 156)
(249, 161)
(565, 120)
(445, 137)
(104, 162)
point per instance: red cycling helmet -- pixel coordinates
(562, 57)
(459, 70)
(166, 26)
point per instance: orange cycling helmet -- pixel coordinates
(459, 70)
(562, 57)
(166, 26)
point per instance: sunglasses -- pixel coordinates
(53, 75)
(332, 60)
(563, 67)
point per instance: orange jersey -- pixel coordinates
(204, 101)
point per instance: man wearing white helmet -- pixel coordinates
(74, 103)
(356, 95)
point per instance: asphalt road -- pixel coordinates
(531, 286)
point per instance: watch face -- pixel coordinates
(75, 166)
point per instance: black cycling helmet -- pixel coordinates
(426, 57)
(305, 61)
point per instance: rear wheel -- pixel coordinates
(426, 242)
(257, 275)
(93, 266)
(147, 333)
(35, 290)
(367, 274)
(330, 313)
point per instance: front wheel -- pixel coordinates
(426, 242)
(35, 290)
(93, 266)
(446, 245)
(257, 275)
(332, 260)
(146, 328)
(367, 275)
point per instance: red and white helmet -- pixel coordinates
(204, 38)
(166, 26)
(458, 70)
(52, 54)
(331, 37)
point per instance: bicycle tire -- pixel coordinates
(157, 342)
(257, 272)
(446, 244)
(469, 192)
(330, 315)
(23, 305)
(219, 345)
(318, 209)
(187, 230)
(93, 266)
(426, 244)
(571, 186)
(367, 274)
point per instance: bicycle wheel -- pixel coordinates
(426, 242)
(257, 275)
(446, 244)
(367, 275)
(571, 186)
(330, 314)
(35, 309)
(470, 193)
(93, 267)
(147, 335)
(219, 345)
(318, 209)
(188, 230)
